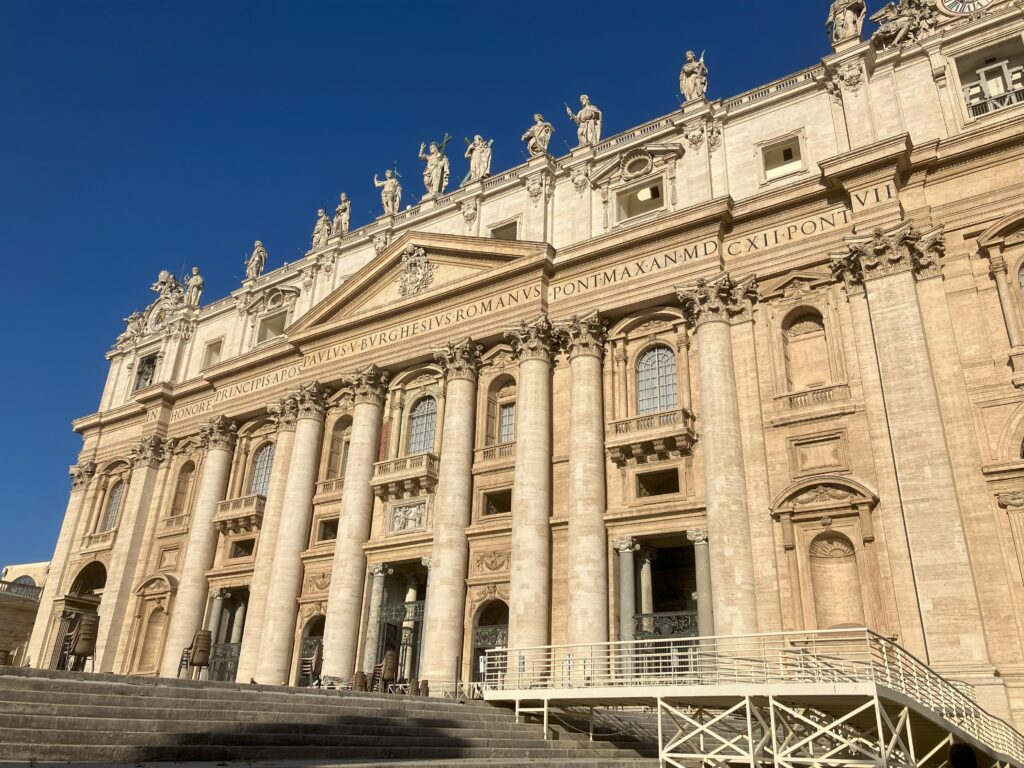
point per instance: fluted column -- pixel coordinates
(275, 655)
(584, 339)
(627, 548)
(284, 413)
(218, 437)
(710, 307)
(452, 510)
(702, 564)
(530, 568)
(378, 572)
(145, 459)
(341, 632)
(81, 475)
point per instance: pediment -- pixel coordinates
(794, 284)
(635, 163)
(417, 266)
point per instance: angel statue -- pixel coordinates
(390, 192)
(437, 169)
(321, 230)
(538, 135)
(588, 122)
(693, 78)
(478, 152)
(256, 262)
(845, 19)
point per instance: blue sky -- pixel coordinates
(139, 136)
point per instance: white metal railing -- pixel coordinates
(825, 657)
(995, 103)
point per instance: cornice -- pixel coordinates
(893, 152)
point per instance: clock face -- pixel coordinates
(159, 319)
(963, 7)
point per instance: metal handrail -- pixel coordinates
(827, 656)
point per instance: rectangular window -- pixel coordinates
(498, 502)
(272, 327)
(145, 372)
(328, 530)
(782, 158)
(993, 79)
(640, 200)
(506, 423)
(242, 548)
(660, 483)
(508, 231)
(211, 355)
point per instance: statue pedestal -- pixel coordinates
(694, 106)
(846, 45)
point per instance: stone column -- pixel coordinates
(145, 459)
(409, 627)
(238, 622)
(647, 557)
(1008, 306)
(683, 367)
(216, 614)
(81, 475)
(710, 306)
(1013, 503)
(626, 547)
(452, 510)
(341, 632)
(530, 567)
(427, 563)
(218, 437)
(883, 265)
(275, 656)
(379, 571)
(584, 339)
(702, 563)
(284, 413)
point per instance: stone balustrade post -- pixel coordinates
(341, 631)
(218, 437)
(710, 307)
(453, 504)
(530, 566)
(379, 572)
(272, 666)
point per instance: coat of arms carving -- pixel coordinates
(417, 271)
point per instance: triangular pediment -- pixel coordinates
(418, 267)
(794, 284)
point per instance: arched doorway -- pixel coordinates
(489, 631)
(312, 638)
(82, 599)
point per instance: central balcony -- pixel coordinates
(495, 455)
(405, 478)
(242, 515)
(651, 437)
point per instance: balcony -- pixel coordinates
(100, 539)
(27, 591)
(650, 437)
(242, 515)
(995, 103)
(648, 626)
(172, 525)
(329, 490)
(494, 455)
(405, 478)
(812, 397)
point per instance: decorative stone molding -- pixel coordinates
(408, 517)
(369, 385)
(580, 177)
(380, 570)
(311, 400)
(309, 610)
(460, 359)
(218, 433)
(848, 76)
(583, 336)
(147, 452)
(469, 209)
(492, 562)
(904, 23)
(417, 272)
(1012, 501)
(268, 300)
(719, 300)
(694, 134)
(697, 536)
(285, 413)
(427, 562)
(381, 241)
(318, 582)
(484, 593)
(625, 544)
(532, 340)
(888, 252)
(714, 135)
(81, 474)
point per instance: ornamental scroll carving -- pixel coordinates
(417, 272)
(823, 494)
(369, 385)
(485, 593)
(720, 299)
(583, 336)
(220, 433)
(887, 252)
(532, 340)
(311, 400)
(81, 474)
(148, 452)
(318, 582)
(460, 360)
(284, 413)
(492, 562)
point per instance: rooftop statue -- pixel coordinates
(136, 327)
(168, 287)
(194, 289)
(321, 230)
(693, 77)
(390, 192)
(257, 261)
(904, 23)
(588, 122)
(479, 153)
(538, 136)
(845, 19)
(342, 216)
(437, 170)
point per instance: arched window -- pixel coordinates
(501, 412)
(806, 350)
(261, 465)
(26, 580)
(113, 506)
(656, 381)
(422, 421)
(337, 459)
(181, 488)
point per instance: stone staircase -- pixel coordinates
(84, 718)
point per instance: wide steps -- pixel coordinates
(454, 763)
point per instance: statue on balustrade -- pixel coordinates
(342, 216)
(478, 152)
(845, 20)
(588, 122)
(321, 230)
(194, 290)
(257, 261)
(693, 77)
(538, 135)
(437, 169)
(390, 192)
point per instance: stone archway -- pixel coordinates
(490, 630)
(155, 596)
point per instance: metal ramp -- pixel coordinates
(838, 698)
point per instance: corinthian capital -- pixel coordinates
(311, 400)
(718, 300)
(284, 412)
(584, 336)
(369, 385)
(147, 452)
(81, 474)
(888, 252)
(697, 535)
(380, 569)
(459, 360)
(625, 544)
(532, 340)
(220, 433)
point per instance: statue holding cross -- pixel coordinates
(437, 170)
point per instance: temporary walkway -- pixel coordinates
(844, 698)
